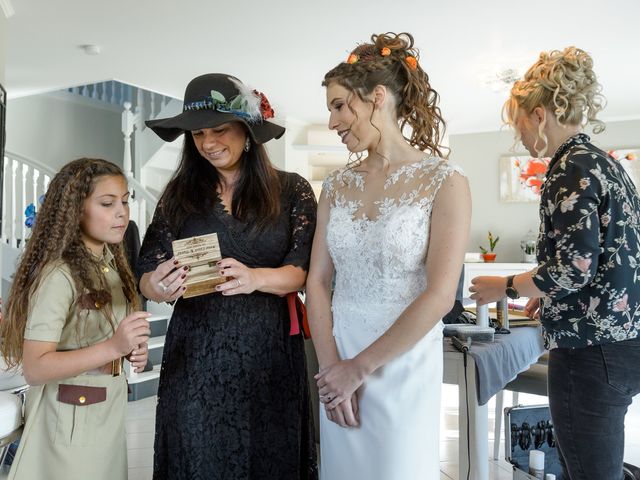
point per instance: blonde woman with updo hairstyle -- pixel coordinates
(392, 227)
(586, 288)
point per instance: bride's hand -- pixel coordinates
(345, 414)
(337, 382)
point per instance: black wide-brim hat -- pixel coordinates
(216, 98)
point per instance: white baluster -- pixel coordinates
(45, 184)
(152, 105)
(25, 172)
(14, 203)
(142, 217)
(36, 175)
(5, 187)
(128, 124)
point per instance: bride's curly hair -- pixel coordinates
(562, 82)
(392, 60)
(57, 236)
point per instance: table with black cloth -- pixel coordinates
(490, 366)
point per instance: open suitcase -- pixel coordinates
(530, 427)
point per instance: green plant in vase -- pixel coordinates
(489, 255)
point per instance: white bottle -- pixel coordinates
(482, 315)
(536, 464)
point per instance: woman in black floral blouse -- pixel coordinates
(586, 287)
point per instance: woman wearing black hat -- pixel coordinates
(233, 398)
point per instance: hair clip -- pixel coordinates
(515, 433)
(539, 432)
(551, 439)
(525, 437)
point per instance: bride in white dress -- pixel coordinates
(393, 227)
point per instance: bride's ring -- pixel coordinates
(163, 286)
(239, 282)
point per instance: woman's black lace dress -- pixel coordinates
(233, 401)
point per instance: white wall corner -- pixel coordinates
(7, 8)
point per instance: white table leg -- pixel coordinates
(475, 446)
(497, 424)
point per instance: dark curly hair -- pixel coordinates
(57, 236)
(391, 60)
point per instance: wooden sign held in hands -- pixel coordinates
(201, 254)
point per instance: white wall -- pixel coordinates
(478, 155)
(54, 131)
(3, 45)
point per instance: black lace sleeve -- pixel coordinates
(156, 246)
(303, 221)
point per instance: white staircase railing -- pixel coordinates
(117, 93)
(24, 180)
(142, 205)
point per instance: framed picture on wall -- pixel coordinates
(3, 137)
(3, 130)
(521, 178)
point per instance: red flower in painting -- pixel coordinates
(532, 173)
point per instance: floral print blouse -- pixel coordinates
(588, 249)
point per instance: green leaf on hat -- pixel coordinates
(217, 96)
(236, 103)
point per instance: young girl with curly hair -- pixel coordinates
(69, 323)
(393, 228)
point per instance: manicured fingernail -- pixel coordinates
(218, 287)
(184, 275)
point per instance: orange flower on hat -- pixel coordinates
(385, 52)
(412, 62)
(353, 58)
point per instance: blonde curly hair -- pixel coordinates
(562, 82)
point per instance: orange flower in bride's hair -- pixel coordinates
(353, 58)
(385, 52)
(412, 62)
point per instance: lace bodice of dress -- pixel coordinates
(380, 261)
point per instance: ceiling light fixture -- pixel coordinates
(501, 80)
(91, 49)
(7, 8)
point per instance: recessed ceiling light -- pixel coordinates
(91, 49)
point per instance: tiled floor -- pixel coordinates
(141, 414)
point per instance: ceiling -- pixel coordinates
(284, 47)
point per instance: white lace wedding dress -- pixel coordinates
(380, 270)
